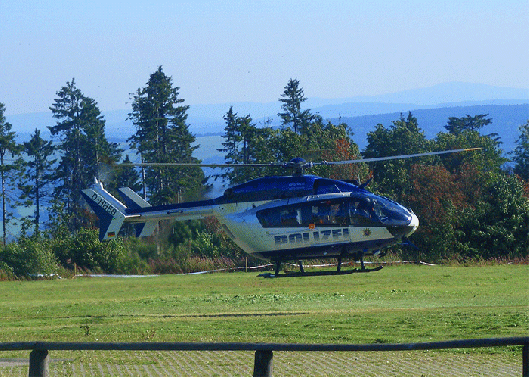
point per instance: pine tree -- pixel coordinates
(521, 153)
(244, 143)
(162, 136)
(8, 146)
(38, 174)
(292, 98)
(83, 145)
(457, 125)
(127, 176)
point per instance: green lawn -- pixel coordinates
(407, 303)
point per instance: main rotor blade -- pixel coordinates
(184, 164)
(402, 156)
(290, 164)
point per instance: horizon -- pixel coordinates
(492, 93)
(233, 52)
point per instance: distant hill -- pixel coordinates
(446, 94)
(506, 119)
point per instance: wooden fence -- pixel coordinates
(38, 359)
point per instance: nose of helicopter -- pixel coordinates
(413, 225)
(405, 230)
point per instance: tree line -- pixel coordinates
(469, 204)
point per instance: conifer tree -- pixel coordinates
(521, 153)
(457, 125)
(291, 100)
(8, 148)
(38, 174)
(127, 176)
(81, 131)
(308, 138)
(162, 136)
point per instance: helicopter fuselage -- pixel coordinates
(276, 218)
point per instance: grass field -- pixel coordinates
(397, 304)
(407, 303)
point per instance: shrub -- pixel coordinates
(29, 257)
(89, 253)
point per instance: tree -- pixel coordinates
(8, 145)
(452, 195)
(435, 197)
(244, 143)
(127, 176)
(162, 136)
(292, 98)
(521, 153)
(38, 174)
(487, 161)
(67, 109)
(99, 150)
(239, 135)
(457, 125)
(497, 227)
(315, 141)
(83, 145)
(344, 150)
(403, 137)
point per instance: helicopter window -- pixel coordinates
(287, 216)
(362, 212)
(349, 211)
(325, 186)
(268, 218)
(330, 213)
(290, 217)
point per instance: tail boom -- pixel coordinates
(112, 213)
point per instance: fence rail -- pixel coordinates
(38, 361)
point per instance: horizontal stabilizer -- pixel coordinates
(132, 200)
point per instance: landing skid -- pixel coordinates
(320, 273)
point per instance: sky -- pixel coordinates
(246, 51)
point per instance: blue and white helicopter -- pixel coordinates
(280, 219)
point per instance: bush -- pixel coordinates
(85, 250)
(132, 263)
(6, 272)
(28, 257)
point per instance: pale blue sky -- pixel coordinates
(233, 51)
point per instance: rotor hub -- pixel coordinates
(298, 165)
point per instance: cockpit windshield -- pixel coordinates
(386, 211)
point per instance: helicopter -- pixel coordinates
(277, 218)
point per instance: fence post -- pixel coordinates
(263, 363)
(525, 360)
(38, 363)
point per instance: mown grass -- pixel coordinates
(398, 304)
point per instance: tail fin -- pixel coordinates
(110, 211)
